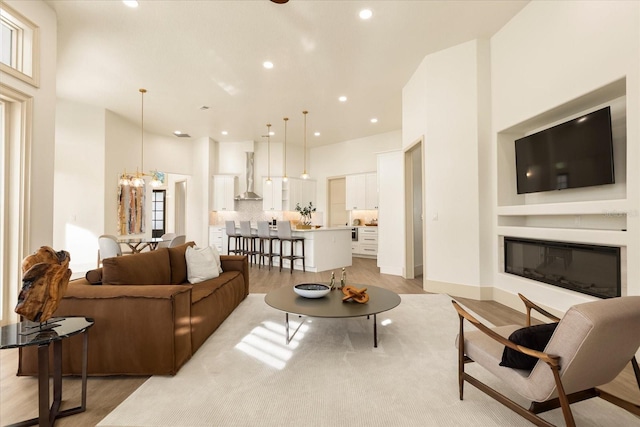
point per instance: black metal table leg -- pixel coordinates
(375, 331)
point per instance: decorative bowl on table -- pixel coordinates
(311, 290)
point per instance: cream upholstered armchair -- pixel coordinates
(587, 348)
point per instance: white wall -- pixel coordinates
(547, 57)
(79, 176)
(348, 157)
(441, 102)
(40, 227)
(391, 249)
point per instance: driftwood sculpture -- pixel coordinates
(355, 294)
(45, 276)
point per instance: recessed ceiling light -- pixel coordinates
(224, 132)
(374, 120)
(130, 3)
(272, 133)
(342, 98)
(177, 132)
(365, 14)
(267, 64)
(316, 133)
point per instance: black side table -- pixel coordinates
(55, 330)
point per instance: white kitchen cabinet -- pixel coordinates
(362, 191)
(272, 195)
(371, 191)
(367, 244)
(225, 188)
(299, 191)
(216, 235)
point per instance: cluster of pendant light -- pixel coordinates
(285, 178)
(137, 180)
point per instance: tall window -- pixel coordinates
(158, 213)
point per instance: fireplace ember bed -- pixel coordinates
(589, 269)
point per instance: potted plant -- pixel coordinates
(305, 215)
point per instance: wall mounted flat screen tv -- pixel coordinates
(577, 153)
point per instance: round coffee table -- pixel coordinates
(331, 305)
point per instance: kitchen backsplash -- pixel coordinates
(251, 210)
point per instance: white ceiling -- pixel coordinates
(190, 54)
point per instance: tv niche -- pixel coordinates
(589, 269)
(573, 154)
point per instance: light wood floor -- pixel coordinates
(18, 395)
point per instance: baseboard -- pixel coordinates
(392, 270)
(513, 301)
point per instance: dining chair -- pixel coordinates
(587, 348)
(108, 247)
(166, 240)
(232, 233)
(284, 235)
(266, 236)
(178, 240)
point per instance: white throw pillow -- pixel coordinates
(201, 264)
(217, 255)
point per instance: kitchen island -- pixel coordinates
(325, 248)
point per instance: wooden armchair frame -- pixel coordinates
(552, 361)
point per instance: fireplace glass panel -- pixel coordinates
(590, 269)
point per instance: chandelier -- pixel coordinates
(138, 179)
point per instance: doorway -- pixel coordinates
(414, 185)
(180, 207)
(338, 214)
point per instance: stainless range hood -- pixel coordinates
(249, 194)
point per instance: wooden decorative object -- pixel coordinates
(45, 276)
(355, 294)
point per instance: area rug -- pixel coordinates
(331, 375)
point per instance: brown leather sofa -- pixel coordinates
(149, 319)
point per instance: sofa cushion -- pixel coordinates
(201, 264)
(147, 268)
(179, 263)
(207, 287)
(534, 337)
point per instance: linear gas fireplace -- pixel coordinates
(590, 269)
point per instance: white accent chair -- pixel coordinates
(166, 240)
(590, 346)
(108, 247)
(178, 240)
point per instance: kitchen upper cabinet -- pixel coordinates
(225, 188)
(272, 194)
(371, 191)
(362, 191)
(299, 191)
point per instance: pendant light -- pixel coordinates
(285, 178)
(138, 180)
(305, 175)
(268, 153)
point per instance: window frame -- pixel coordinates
(26, 56)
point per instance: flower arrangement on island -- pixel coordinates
(305, 213)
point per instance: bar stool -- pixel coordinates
(284, 234)
(248, 241)
(230, 229)
(266, 235)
